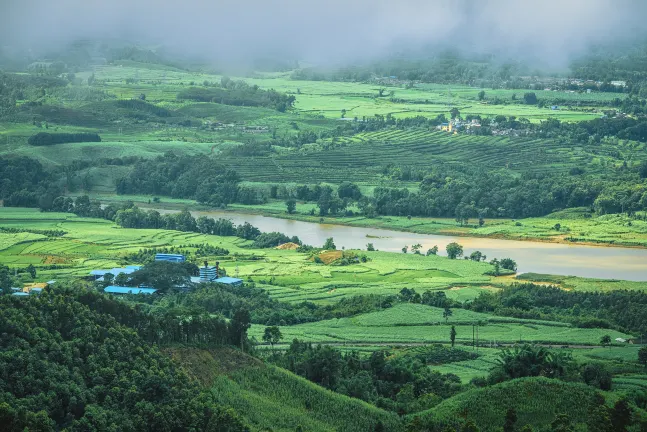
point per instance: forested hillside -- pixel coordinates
(66, 365)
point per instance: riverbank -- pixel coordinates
(571, 227)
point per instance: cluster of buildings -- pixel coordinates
(31, 288)
(207, 274)
(455, 125)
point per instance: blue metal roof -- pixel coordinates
(116, 271)
(228, 280)
(129, 290)
(20, 294)
(170, 257)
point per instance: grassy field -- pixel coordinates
(549, 397)
(270, 398)
(329, 98)
(287, 275)
(412, 323)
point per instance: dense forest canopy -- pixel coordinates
(68, 365)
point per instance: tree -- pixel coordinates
(108, 278)
(121, 279)
(163, 275)
(508, 264)
(642, 356)
(481, 95)
(432, 251)
(476, 256)
(330, 244)
(343, 113)
(447, 313)
(349, 190)
(510, 420)
(416, 248)
(642, 170)
(31, 270)
(291, 205)
(272, 335)
(562, 423)
(530, 98)
(405, 249)
(454, 250)
(605, 340)
(238, 326)
(370, 247)
(452, 335)
(599, 416)
(6, 281)
(621, 415)
(470, 426)
(597, 375)
(454, 113)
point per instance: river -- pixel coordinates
(538, 257)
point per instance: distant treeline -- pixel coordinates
(128, 215)
(46, 139)
(620, 309)
(473, 192)
(239, 93)
(25, 183)
(195, 177)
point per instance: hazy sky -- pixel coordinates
(332, 30)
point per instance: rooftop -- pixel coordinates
(129, 290)
(228, 280)
(116, 271)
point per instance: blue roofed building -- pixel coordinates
(229, 281)
(129, 290)
(208, 274)
(98, 274)
(177, 258)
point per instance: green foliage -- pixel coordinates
(487, 407)
(270, 240)
(272, 335)
(400, 383)
(50, 342)
(329, 244)
(642, 356)
(25, 183)
(532, 361)
(163, 275)
(269, 397)
(620, 308)
(454, 250)
(47, 139)
(239, 93)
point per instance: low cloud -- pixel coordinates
(549, 31)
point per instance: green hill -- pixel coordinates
(271, 398)
(536, 400)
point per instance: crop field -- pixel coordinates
(410, 323)
(548, 397)
(329, 98)
(287, 275)
(363, 156)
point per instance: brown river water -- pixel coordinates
(538, 257)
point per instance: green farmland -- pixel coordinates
(112, 155)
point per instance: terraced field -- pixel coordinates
(287, 275)
(411, 323)
(364, 155)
